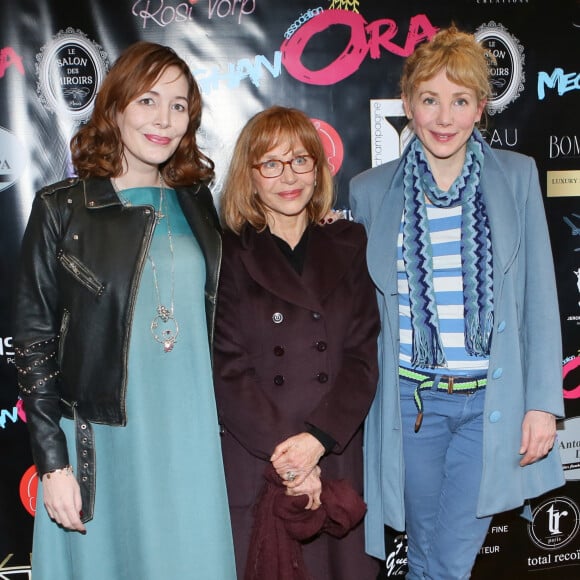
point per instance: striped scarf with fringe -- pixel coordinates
(476, 256)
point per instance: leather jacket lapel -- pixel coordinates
(199, 210)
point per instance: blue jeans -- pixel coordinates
(443, 464)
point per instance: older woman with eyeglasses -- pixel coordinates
(295, 345)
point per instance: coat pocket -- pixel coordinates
(81, 273)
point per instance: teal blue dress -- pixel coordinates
(161, 510)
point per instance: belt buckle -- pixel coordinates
(450, 382)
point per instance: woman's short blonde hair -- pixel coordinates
(239, 203)
(464, 59)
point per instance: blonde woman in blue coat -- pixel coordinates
(464, 422)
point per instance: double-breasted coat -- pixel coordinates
(525, 360)
(293, 351)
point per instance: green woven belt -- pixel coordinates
(448, 383)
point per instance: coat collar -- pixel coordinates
(99, 192)
(499, 200)
(502, 211)
(328, 258)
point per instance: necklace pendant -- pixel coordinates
(164, 313)
(164, 329)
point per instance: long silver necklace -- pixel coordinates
(164, 326)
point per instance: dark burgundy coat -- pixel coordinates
(293, 351)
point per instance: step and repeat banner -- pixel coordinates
(340, 61)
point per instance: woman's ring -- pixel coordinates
(290, 476)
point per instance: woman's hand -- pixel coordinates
(332, 216)
(296, 457)
(311, 486)
(538, 436)
(62, 499)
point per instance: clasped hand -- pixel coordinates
(296, 462)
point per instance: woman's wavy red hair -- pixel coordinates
(97, 149)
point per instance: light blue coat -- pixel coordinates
(525, 367)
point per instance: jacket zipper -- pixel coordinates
(64, 324)
(81, 273)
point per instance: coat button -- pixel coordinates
(497, 373)
(277, 317)
(501, 326)
(316, 315)
(279, 350)
(321, 346)
(279, 380)
(494, 416)
(322, 377)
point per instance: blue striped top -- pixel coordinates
(445, 229)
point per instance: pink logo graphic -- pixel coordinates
(570, 365)
(364, 39)
(8, 58)
(28, 490)
(332, 143)
(20, 410)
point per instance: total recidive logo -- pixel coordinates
(555, 523)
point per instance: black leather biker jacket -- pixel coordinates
(81, 261)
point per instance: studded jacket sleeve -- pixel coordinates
(36, 336)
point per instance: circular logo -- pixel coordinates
(505, 65)
(28, 489)
(571, 364)
(555, 523)
(332, 144)
(13, 158)
(69, 71)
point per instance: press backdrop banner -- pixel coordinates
(340, 61)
